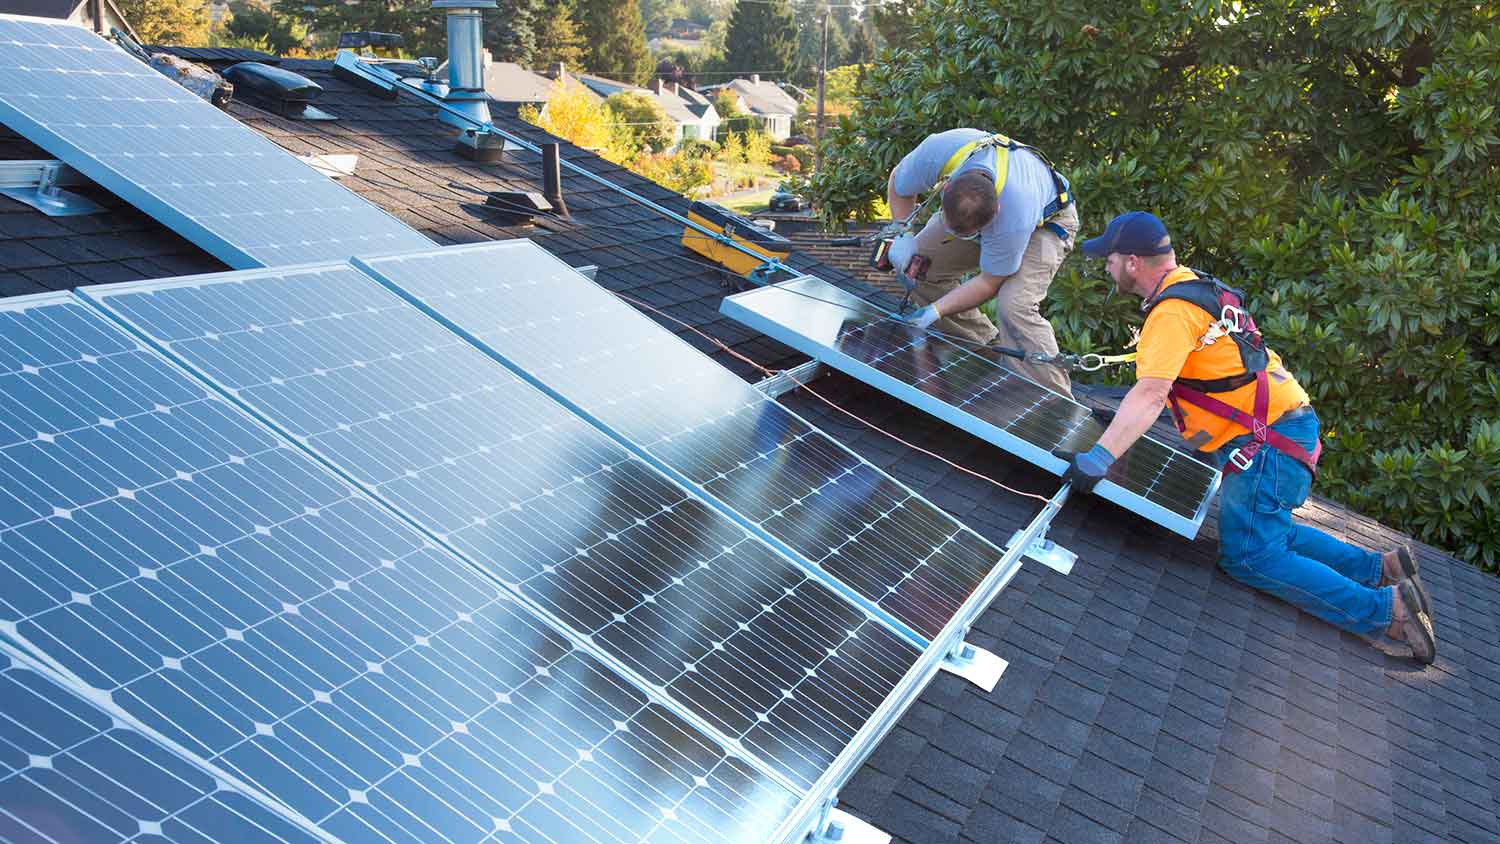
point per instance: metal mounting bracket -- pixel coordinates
(1049, 554)
(840, 827)
(39, 184)
(976, 665)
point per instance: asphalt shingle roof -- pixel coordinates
(1149, 698)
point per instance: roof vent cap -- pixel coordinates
(277, 90)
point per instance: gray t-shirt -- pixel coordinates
(1028, 189)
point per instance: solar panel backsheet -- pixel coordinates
(788, 479)
(176, 157)
(70, 773)
(974, 392)
(656, 578)
(233, 595)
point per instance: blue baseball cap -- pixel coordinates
(1131, 233)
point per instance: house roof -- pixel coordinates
(763, 97)
(1149, 698)
(674, 104)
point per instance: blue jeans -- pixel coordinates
(1260, 547)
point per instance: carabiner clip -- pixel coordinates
(1089, 363)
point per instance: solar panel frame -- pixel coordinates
(919, 632)
(152, 184)
(145, 684)
(756, 309)
(165, 329)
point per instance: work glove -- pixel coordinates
(924, 318)
(902, 248)
(1085, 468)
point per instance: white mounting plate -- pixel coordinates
(981, 668)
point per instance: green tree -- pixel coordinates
(643, 119)
(559, 38)
(762, 38)
(616, 40)
(895, 20)
(182, 23)
(657, 15)
(423, 30)
(1337, 161)
(510, 31)
(254, 20)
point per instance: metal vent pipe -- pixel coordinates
(552, 178)
(466, 56)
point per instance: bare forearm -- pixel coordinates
(1137, 413)
(968, 295)
(901, 206)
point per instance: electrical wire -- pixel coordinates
(768, 372)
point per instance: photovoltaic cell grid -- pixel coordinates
(70, 773)
(175, 156)
(695, 417)
(232, 595)
(974, 391)
(679, 593)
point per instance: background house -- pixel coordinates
(691, 114)
(773, 108)
(98, 15)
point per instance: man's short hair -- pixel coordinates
(969, 201)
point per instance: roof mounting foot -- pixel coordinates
(481, 146)
(976, 665)
(840, 827)
(39, 184)
(1049, 554)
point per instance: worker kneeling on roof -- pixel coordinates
(1006, 211)
(1232, 399)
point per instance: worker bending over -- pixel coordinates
(1200, 350)
(1004, 211)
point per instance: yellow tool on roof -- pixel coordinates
(741, 230)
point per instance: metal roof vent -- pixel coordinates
(516, 207)
(277, 90)
(466, 78)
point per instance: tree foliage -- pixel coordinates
(762, 38)
(559, 38)
(1337, 160)
(256, 21)
(181, 23)
(615, 39)
(510, 31)
(423, 31)
(643, 118)
(572, 113)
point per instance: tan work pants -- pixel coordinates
(1018, 302)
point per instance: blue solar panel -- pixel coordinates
(226, 590)
(71, 773)
(791, 481)
(176, 157)
(971, 390)
(677, 592)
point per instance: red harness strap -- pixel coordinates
(1260, 432)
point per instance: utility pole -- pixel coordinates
(822, 80)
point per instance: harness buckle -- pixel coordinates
(1242, 461)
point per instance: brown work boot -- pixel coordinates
(1400, 563)
(1410, 624)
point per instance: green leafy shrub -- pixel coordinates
(1336, 161)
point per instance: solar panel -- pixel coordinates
(788, 480)
(69, 772)
(230, 593)
(677, 592)
(974, 392)
(174, 156)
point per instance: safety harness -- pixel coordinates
(1003, 146)
(1227, 304)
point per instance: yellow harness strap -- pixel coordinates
(1003, 145)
